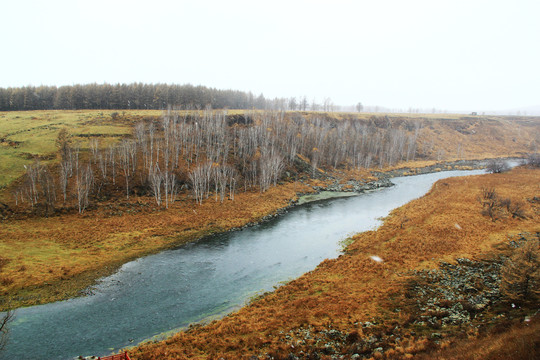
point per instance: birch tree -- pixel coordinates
(126, 150)
(84, 184)
(156, 179)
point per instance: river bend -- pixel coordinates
(159, 293)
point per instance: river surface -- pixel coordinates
(167, 291)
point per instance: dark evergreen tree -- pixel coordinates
(127, 96)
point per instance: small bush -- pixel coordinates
(496, 207)
(533, 160)
(517, 211)
(3, 262)
(520, 274)
(6, 281)
(497, 166)
(490, 201)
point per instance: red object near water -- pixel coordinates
(123, 356)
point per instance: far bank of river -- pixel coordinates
(337, 189)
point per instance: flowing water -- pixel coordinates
(167, 291)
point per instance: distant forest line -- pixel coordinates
(143, 96)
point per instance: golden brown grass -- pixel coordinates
(520, 341)
(353, 288)
(451, 137)
(54, 258)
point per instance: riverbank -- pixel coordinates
(355, 306)
(55, 258)
(51, 259)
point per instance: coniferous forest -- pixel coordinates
(129, 96)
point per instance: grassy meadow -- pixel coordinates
(29, 135)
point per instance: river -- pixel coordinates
(160, 293)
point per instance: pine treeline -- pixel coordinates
(126, 96)
(211, 154)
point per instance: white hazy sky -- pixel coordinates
(454, 55)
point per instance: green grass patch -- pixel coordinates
(29, 135)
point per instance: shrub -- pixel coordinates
(6, 281)
(497, 166)
(533, 160)
(520, 274)
(495, 207)
(490, 201)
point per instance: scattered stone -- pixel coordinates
(447, 296)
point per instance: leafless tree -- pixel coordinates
(200, 178)
(151, 138)
(171, 187)
(66, 171)
(141, 138)
(224, 177)
(126, 151)
(63, 142)
(440, 154)
(459, 150)
(94, 148)
(156, 179)
(84, 184)
(219, 153)
(48, 189)
(496, 166)
(102, 164)
(303, 104)
(112, 160)
(32, 176)
(5, 320)
(270, 170)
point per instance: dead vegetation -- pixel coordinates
(496, 207)
(109, 202)
(357, 308)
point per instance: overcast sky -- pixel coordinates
(453, 55)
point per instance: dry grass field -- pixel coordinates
(45, 259)
(342, 294)
(53, 258)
